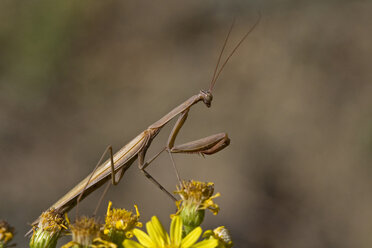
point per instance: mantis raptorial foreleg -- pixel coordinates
(207, 145)
(204, 146)
(176, 128)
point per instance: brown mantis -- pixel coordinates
(114, 168)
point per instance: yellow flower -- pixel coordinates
(195, 198)
(199, 194)
(46, 233)
(86, 233)
(119, 224)
(121, 220)
(157, 237)
(84, 230)
(6, 233)
(222, 235)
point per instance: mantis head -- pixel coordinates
(207, 97)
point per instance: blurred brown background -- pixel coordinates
(296, 101)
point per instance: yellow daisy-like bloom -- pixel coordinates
(119, 224)
(50, 226)
(6, 233)
(222, 235)
(195, 198)
(121, 220)
(157, 237)
(198, 194)
(86, 233)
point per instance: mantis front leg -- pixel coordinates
(205, 146)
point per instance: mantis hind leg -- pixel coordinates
(113, 176)
(142, 166)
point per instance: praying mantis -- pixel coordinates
(115, 167)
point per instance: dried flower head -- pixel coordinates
(50, 226)
(222, 235)
(198, 194)
(86, 233)
(84, 230)
(195, 198)
(6, 233)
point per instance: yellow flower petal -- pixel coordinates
(153, 234)
(176, 230)
(137, 212)
(156, 234)
(191, 238)
(158, 227)
(207, 234)
(143, 238)
(69, 244)
(131, 244)
(209, 243)
(109, 208)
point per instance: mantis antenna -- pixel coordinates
(217, 74)
(219, 57)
